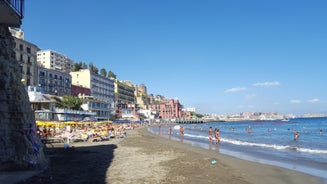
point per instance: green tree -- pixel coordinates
(93, 68)
(111, 75)
(69, 102)
(84, 65)
(197, 115)
(103, 72)
(77, 66)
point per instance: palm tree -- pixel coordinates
(69, 102)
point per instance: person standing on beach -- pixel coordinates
(181, 130)
(210, 133)
(169, 129)
(217, 135)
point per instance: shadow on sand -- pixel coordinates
(76, 165)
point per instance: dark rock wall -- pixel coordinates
(20, 147)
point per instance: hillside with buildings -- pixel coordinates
(47, 74)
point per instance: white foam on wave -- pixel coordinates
(274, 146)
(196, 136)
(307, 150)
(177, 127)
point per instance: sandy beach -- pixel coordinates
(142, 157)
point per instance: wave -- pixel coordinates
(262, 145)
(274, 146)
(196, 136)
(176, 127)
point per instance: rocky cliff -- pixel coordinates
(20, 147)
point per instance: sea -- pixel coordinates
(267, 142)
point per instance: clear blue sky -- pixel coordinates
(217, 56)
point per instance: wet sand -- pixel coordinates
(142, 157)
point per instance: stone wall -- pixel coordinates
(20, 147)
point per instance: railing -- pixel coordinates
(17, 6)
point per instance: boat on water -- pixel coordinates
(285, 119)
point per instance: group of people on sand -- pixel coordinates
(91, 133)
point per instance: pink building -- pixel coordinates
(167, 109)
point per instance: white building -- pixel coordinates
(190, 109)
(53, 60)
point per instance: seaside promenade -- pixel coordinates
(142, 157)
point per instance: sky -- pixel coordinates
(219, 56)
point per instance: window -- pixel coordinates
(28, 70)
(21, 47)
(28, 50)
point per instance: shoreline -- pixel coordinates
(310, 167)
(143, 157)
(192, 164)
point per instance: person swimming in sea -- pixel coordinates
(296, 135)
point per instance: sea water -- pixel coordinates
(268, 142)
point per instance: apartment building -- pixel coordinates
(101, 109)
(101, 95)
(102, 88)
(25, 53)
(54, 82)
(54, 60)
(124, 92)
(167, 109)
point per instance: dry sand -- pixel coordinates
(146, 158)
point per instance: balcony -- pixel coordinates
(11, 12)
